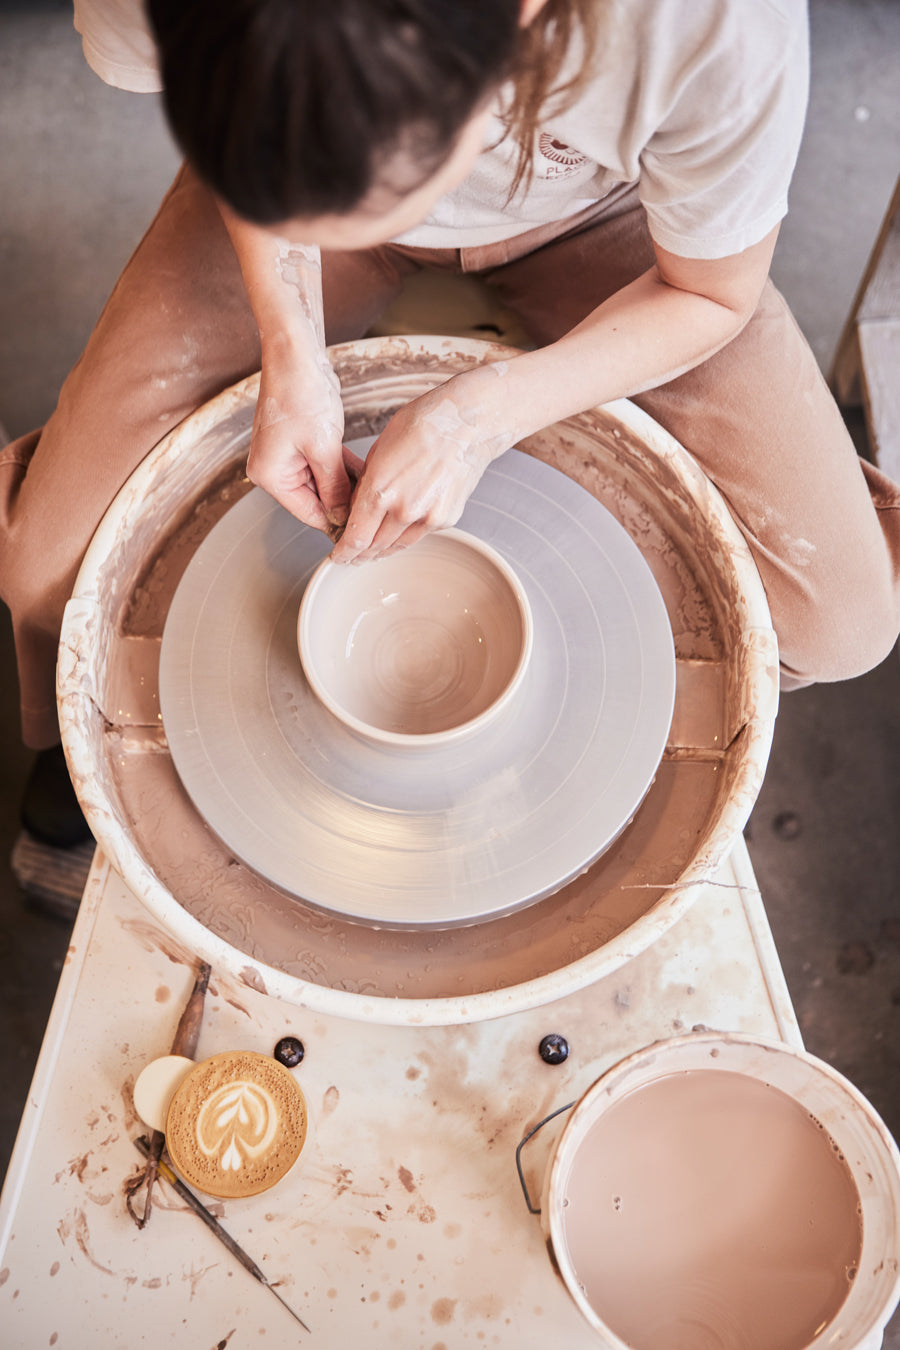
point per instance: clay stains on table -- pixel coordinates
(153, 938)
(443, 1310)
(75, 1225)
(406, 1179)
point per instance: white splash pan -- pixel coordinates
(725, 706)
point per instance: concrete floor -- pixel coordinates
(81, 171)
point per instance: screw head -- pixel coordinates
(787, 825)
(554, 1049)
(289, 1051)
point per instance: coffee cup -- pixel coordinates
(236, 1124)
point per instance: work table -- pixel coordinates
(404, 1223)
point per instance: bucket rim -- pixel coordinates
(867, 1307)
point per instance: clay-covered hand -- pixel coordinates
(422, 469)
(296, 448)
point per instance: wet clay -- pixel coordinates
(251, 915)
(710, 1211)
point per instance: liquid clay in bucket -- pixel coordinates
(719, 1193)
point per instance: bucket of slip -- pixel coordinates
(722, 1192)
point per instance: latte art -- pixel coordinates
(236, 1124)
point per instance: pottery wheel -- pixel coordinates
(422, 837)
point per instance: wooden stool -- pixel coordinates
(452, 304)
(866, 369)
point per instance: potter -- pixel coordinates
(635, 264)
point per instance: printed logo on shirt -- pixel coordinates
(559, 159)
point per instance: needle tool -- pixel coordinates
(143, 1146)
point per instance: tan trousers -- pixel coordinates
(823, 527)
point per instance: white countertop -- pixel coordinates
(404, 1224)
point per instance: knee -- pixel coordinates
(842, 637)
(40, 552)
(36, 600)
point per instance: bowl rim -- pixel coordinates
(427, 740)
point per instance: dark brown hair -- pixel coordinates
(539, 86)
(291, 108)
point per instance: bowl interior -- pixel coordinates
(428, 642)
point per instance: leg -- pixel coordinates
(823, 527)
(172, 334)
(176, 330)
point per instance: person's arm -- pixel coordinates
(425, 464)
(296, 445)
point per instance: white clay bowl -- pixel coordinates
(418, 649)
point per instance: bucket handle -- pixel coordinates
(535, 1209)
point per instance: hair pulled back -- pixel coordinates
(289, 108)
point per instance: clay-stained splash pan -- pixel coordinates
(458, 833)
(711, 769)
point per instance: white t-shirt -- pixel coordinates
(118, 44)
(700, 102)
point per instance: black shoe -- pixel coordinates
(50, 810)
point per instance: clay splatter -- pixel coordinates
(343, 1180)
(442, 1310)
(406, 1179)
(252, 978)
(74, 1168)
(76, 1225)
(129, 1118)
(153, 939)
